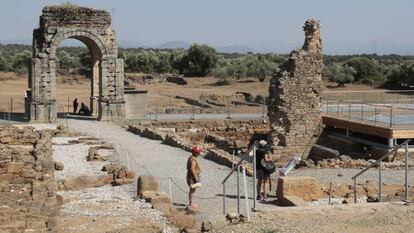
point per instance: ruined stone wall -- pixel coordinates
(27, 188)
(295, 97)
(93, 28)
(75, 16)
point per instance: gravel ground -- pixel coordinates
(151, 157)
(104, 208)
(114, 204)
(73, 156)
(361, 218)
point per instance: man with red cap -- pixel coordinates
(193, 174)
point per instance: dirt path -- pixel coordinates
(363, 218)
(150, 157)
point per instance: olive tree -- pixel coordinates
(340, 74)
(200, 60)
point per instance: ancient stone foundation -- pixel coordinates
(27, 189)
(295, 97)
(93, 28)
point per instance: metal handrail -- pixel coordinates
(245, 156)
(370, 91)
(378, 162)
(237, 167)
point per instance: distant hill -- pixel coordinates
(275, 46)
(173, 45)
(235, 49)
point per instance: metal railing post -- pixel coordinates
(228, 109)
(239, 163)
(349, 111)
(224, 199)
(232, 159)
(246, 194)
(254, 178)
(406, 174)
(192, 115)
(264, 109)
(170, 189)
(355, 191)
(156, 109)
(327, 106)
(11, 106)
(362, 112)
(337, 109)
(391, 117)
(8, 111)
(330, 194)
(238, 189)
(375, 112)
(379, 181)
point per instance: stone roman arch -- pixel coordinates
(93, 28)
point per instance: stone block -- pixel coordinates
(207, 227)
(14, 167)
(122, 181)
(320, 152)
(292, 201)
(129, 174)
(156, 197)
(6, 140)
(164, 208)
(147, 183)
(87, 182)
(307, 188)
(185, 222)
(58, 166)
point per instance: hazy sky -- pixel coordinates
(348, 26)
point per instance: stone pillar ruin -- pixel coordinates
(93, 28)
(295, 92)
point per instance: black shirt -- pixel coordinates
(260, 154)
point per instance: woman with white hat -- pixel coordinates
(262, 175)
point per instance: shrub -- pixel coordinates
(22, 61)
(402, 75)
(340, 74)
(367, 70)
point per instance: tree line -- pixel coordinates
(201, 60)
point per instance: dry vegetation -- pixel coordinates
(163, 93)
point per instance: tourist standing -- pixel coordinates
(193, 174)
(262, 175)
(75, 105)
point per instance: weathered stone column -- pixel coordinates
(295, 97)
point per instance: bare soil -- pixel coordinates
(367, 218)
(161, 93)
(16, 86)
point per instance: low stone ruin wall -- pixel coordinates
(27, 188)
(214, 137)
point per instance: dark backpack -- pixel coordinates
(269, 166)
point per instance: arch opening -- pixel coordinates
(106, 70)
(77, 76)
